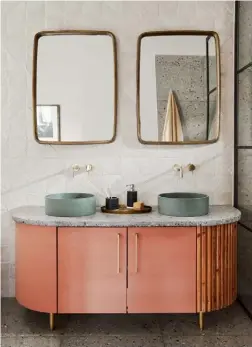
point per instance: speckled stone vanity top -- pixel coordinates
(35, 215)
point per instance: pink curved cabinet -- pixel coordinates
(36, 267)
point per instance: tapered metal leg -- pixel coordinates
(51, 321)
(201, 320)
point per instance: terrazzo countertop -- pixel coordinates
(35, 215)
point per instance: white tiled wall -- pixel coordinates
(30, 170)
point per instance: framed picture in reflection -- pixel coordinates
(48, 122)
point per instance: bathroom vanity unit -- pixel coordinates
(105, 263)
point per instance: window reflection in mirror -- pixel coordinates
(75, 87)
(178, 88)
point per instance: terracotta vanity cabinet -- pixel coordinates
(161, 270)
(92, 270)
(170, 269)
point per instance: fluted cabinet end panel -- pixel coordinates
(216, 267)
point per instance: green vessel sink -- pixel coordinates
(70, 204)
(183, 204)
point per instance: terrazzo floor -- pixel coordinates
(23, 328)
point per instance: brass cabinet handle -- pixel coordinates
(136, 252)
(118, 253)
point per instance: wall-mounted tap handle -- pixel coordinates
(191, 167)
(89, 167)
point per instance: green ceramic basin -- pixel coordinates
(70, 204)
(183, 204)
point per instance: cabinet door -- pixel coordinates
(92, 270)
(162, 270)
(36, 271)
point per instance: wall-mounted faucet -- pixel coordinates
(178, 168)
(77, 168)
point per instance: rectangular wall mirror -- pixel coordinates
(75, 87)
(178, 87)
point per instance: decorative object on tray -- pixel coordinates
(138, 205)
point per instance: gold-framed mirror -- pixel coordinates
(74, 87)
(178, 87)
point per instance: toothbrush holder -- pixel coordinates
(112, 203)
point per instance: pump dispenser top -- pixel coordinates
(131, 187)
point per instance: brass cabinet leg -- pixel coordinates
(51, 321)
(201, 322)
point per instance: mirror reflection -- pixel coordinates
(75, 87)
(178, 89)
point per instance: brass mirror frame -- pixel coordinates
(34, 83)
(218, 86)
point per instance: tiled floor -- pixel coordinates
(23, 328)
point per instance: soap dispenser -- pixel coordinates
(131, 195)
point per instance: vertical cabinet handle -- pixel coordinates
(118, 253)
(136, 252)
